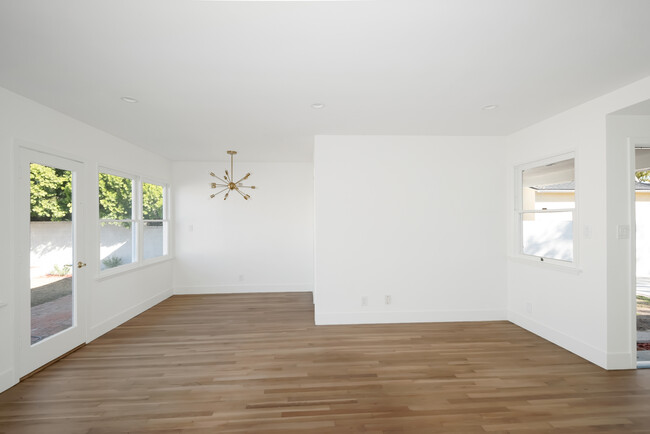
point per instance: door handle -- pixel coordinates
(81, 264)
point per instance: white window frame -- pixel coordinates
(137, 220)
(519, 212)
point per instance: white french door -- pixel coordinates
(50, 299)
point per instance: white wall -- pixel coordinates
(589, 311)
(111, 300)
(421, 219)
(262, 244)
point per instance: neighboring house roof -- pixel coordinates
(570, 186)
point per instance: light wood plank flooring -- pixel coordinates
(254, 363)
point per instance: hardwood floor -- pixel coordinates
(254, 363)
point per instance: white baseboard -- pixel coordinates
(111, 323)
(240, 289)
(579, 348)
(621, 361)
(7, 379)
(387, 317)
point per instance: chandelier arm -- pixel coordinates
(246, 186)
(232, 170)
(218, 193)
(243, 177)
(245, 196)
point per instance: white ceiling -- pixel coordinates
(212, 76)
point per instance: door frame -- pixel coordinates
(30, 358)
(633, 143)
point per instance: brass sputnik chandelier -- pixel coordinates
(230, 185)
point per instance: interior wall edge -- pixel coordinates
(98, 330)
(569, 343)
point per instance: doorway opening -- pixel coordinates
(642, 213)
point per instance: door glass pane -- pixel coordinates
(548, 235)
(51, 251)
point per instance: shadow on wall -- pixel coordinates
(51, 244)
(549, 239)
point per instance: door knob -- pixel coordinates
(81, 264)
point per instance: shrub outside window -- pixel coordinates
(547, 210)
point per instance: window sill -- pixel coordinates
(134, 266)
(570, 269)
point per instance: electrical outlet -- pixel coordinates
(388, 299)
(364, 301)
(241, 277)
(529, 308)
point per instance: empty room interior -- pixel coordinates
(325, 216)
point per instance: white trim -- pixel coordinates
(617, 361)
(8, 379)
(549, 264)
(579, 348)
(412, 316)
(133, 266)
(632, 143)
(248, 288)
(127, 314)
(119, 173)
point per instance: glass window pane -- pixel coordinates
(116, 244)
(551, 186)
(548, 235)
(115, 197)
(51, 251)
(152, 202)
(155, 239)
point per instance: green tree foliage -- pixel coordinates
(643, 176)
(152, 202)
(115, 197)
(51, 196)
(51, 193)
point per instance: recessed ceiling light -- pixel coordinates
(318, 105)
(129, 99)
(491, 107)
